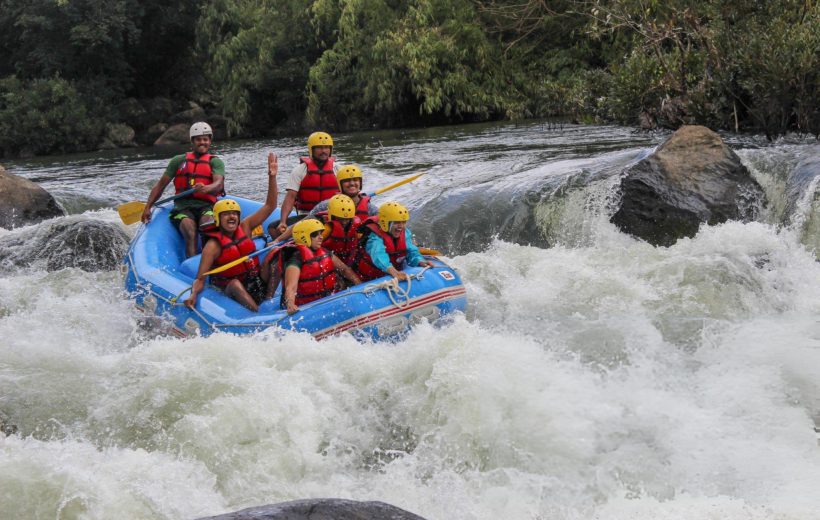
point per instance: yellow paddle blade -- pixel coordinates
(257, 231)
(429, 252)
(397, 184)
(131, 212)
(227, 266)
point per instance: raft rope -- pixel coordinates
(394, 289)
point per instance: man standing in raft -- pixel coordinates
(388, 244)
(197, 169)
(231, 241)
(310, 270)
(312, 180)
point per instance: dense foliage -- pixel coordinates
(287, 65)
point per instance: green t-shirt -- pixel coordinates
(217, 168)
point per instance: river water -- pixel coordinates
(593, 376)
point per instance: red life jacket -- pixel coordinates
(319, 184)
(233, 249)
(363, 207)
(342, 242)
(317, 277)
(396, 249)
(195, 170)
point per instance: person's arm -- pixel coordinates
(259, 216)
(218, 172)
(318, 208)
(155, 194)
(209, 254)
(378, 254)
(287, 207)
(346, 271)
(291, 285)
(414, 256)
(294, 182)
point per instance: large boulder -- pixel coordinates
(118, 136)
(691, 179)
(190, 116)
(24, 202)
(321, 509)
(176, 134)
(75, 241)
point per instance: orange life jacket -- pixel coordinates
(343, 242)
(317, 277)
(195, 170)
(363, 207)
(319, 184)
(233, 249)
(396, 249)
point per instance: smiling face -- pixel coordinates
(351, 187)
(201, 144)
(397, 228)
(229, 221)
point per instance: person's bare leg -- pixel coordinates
(237, 291)
(188, 230)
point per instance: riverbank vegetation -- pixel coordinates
(68, 68)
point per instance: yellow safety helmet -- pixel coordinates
(303, 229)
(341, 206)
(392, 212)
(319, 139)
(351, 171)
(223, 206)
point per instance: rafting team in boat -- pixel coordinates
(340, 231)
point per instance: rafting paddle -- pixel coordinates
(397, 184)
(131, 212)
(233, 263)
(245, 258)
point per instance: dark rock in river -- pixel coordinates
(692, 178)
(192, 115)
(321, 509)
(24, 202)
(75, 241)
(177, 134)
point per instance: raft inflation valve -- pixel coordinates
(149, 303)
(191, 327)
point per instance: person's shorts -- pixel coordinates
(253, 283)
(195, 213)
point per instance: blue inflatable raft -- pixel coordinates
(157, 275)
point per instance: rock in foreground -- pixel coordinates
(321, 509)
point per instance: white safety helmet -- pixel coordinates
(201, 128)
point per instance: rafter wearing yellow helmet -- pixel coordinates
(228, 255)
(310, 269)
(388, 244)
(311, 181)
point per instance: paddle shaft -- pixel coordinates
(244, 258)
(397, 184)
(174, 197)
